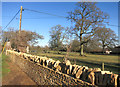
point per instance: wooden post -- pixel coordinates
(27, 49)
(18, 46)
(20, 19)
(102, 66)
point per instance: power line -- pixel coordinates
(52, 18)
(113, 25)
(44, 13)
(40, 18)
(12, 19)
(33, 17)
(54, 15)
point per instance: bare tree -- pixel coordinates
(93, 45)
(86, 18)
(67, 41)
(106, 37)
(75, 45)
(56, 37)
(23, 39)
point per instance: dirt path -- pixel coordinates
(16, 77)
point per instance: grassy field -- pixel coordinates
(5, 65)
(91, 60)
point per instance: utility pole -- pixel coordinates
(20, 19)
(19, 36)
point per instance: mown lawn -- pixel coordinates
(5, 65)
(91, 60)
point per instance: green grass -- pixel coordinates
(5, 65)
(92, 60)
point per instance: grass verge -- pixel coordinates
(5, 60)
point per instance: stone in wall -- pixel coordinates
(76, 67)
(78, 74)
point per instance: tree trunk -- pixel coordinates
(68, 51)
(66, 55)
(81, 50)
(81, 46)
(103, 49)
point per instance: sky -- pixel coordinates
(42, 23)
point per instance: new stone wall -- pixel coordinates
(45, 71)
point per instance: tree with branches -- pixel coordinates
(86, 18)
(25, 38)
(56, 37)
(106, 37)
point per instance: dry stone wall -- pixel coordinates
(46, 71)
